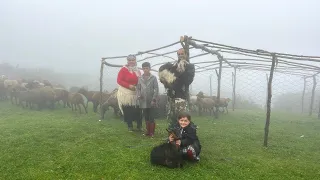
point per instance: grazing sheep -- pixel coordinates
(3, 92)
(61, 95)
(48, 95)
(33, 84)
(87, 94)
(24, 84)
(111, 102)
(74, 89)
(193, 103)
(20, 81)
(10, 83)
(205, 103)
(42, 85)
(75, 99)
(24, 96)
(14, 91)
(41, 96)
(224, 104)
(96, 99)
(46, 83)
(208, 104)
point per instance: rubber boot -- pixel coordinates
(147, 133)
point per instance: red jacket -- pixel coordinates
(126, 78)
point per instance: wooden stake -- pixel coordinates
(319, 109)
(185, 46)
(234, 78)
(266, 93)
(101, 84)
(219, 87)
(266, 128)
(303, 92)
(312, 97)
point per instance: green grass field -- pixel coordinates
(58, 144)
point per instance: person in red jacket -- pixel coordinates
(127, 99)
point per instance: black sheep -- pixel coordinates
(166, 154)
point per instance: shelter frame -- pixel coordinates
(260, 60)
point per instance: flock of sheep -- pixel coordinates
(43, 94)
(202, 103)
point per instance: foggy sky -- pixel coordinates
(45, 33)
(75, 33)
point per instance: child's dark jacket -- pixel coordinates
(188, 136)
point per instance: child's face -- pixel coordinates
(146, 70)
(184, 122)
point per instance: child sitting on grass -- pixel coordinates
(188, 142)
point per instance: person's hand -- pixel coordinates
(178, 142)
(171, 139)
(132, 87)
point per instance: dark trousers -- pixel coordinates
(132, 113)
(149, 114)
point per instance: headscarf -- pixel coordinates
(133, 67)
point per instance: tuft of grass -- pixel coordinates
(59, 144)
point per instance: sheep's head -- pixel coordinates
(36, 81)
(4, 77)
(33, 84)
(181, 65)
(47, 83)
(83, 91)
(200, 95)
(228, 100)
(114, 92)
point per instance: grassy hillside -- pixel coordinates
(58, 144)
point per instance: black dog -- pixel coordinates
(166, 154)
